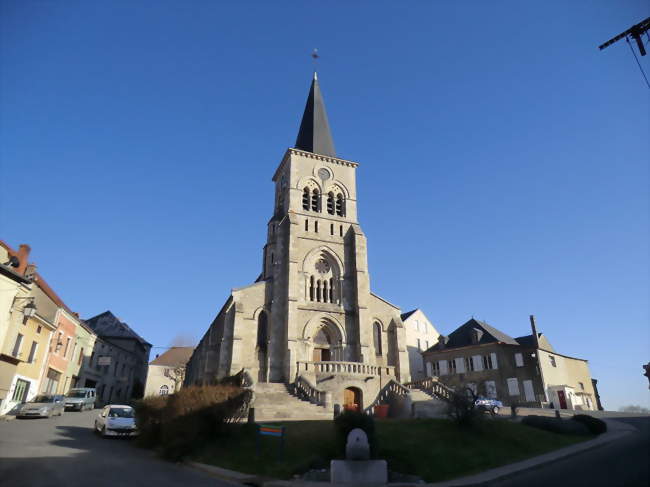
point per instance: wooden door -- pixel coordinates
(352, 399)
(317, 357)
(562, 398)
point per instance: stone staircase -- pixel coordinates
(274, 402)
(426, 399)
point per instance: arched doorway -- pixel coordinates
(322, 346)
(392, 345)
(352, 399)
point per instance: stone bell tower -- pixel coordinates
(310, 314)
(315, 260)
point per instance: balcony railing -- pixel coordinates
(348, 368)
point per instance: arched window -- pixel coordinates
(164, 390)
(315, 200)
(330, 203)
(323, 283)
(376, 333)
(262, 331)
(340, 205)
(305, 199)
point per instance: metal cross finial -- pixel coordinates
(314, 56)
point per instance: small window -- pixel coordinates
(552, 359)
(316, 226)
(436, 368)
(164, 390)
(582, 386)
(67, 346)
(469, 364)
(487, 362)
(32, 353)
(306, 225)
(341, 230)
(38, 330)
(17, 343)
(452, 366)
(330, 203)
(519, 360)
(81, 356)
(315, 200)
(305, 199)
(332, 229)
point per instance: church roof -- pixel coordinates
(314, 134)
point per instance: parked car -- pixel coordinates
(80, 398)
(116, 420)
(42, 406)
(490, 405)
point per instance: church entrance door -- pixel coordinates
(322, 355)
(352, 399)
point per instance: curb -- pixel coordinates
(233, 476)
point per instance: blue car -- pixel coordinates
(490, 405)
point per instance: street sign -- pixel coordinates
(104, 360)
(270, 430)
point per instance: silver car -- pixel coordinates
(43, 406)
(80, 398)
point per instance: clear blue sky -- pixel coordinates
(504, 159)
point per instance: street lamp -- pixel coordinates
(29, 309)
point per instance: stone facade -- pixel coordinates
(311, 312)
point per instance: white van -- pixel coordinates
(80, 398)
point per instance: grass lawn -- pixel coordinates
(434, 449)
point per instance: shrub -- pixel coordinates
(149, 414)
(595, 426)
(349, 420)
(183, 421)
(461, 407)
(556, 425)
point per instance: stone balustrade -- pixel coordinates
(348, 368)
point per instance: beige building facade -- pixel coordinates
(166, 372)
(420, 335)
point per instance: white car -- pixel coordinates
(116, 420)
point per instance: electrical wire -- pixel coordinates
(637, 62)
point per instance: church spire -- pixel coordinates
(314, 135)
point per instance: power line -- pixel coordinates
(637, 62)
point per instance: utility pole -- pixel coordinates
(635, 32)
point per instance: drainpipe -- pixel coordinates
(539, 362)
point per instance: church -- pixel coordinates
(310, 325)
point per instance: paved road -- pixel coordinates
(623, 463)
(64, 452)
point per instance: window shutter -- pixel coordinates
(460, 365)
(494, 360)
(513, 387)
(519, 360)
(443, 367)
(478, 362)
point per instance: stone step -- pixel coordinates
(274, 402)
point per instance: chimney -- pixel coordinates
(23, 254)
(534, 328)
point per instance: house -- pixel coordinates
(120, 356)
(167, 371)
(525, 371)
(420, 335)
(30, 323)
